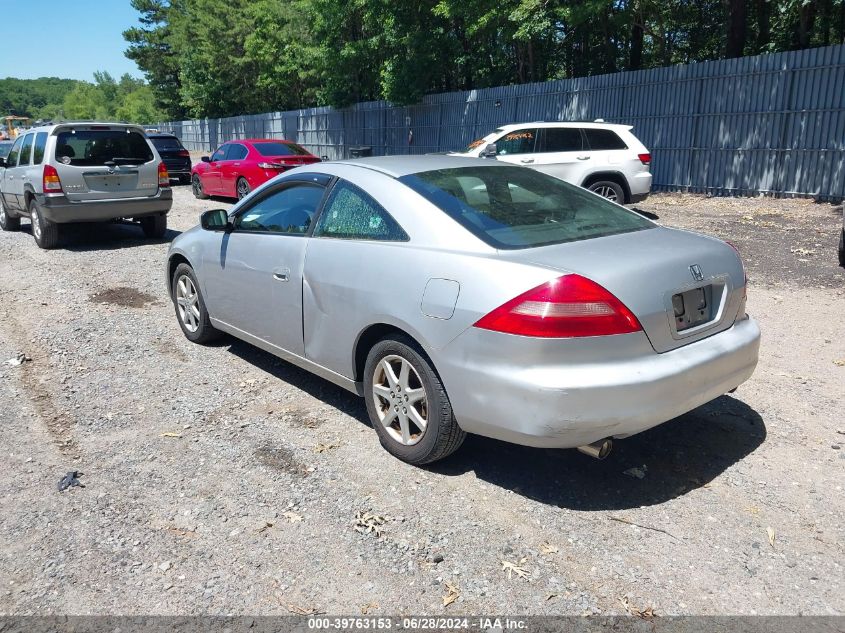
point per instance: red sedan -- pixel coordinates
(238, 167)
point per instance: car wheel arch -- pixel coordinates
(172, 264)
(374, 333)
(614, 176)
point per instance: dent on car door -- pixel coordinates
(352, 274)
(254, 276)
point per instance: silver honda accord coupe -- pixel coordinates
(465, 296)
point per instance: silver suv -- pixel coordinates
(83, 172)
(605, 158)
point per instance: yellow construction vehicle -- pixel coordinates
(12, 125)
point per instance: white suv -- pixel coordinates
(602, 157)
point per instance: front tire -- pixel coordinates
(608, 189)
(842, 248)
(190, 306)
(154, 226)
(407, 404)
(196, 187)
(7, 222)
(46, 233)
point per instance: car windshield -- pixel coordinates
(480, 142)
(166, 143)
(280, 149)
(515, 207)
(86, 148)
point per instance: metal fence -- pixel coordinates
(772, 124)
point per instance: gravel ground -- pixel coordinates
(221, 480)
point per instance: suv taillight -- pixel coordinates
(184, 153)
(163, 176)
(645, 159)
(566, 307)
(50, 181)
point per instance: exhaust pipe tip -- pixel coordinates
(598, 450)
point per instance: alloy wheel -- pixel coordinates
(187, 301)
(243, 188)
(2, 213)
(196, 185)
(36, 225)
(400, 400)
(607, 192)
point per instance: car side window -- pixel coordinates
(236, 152)
(562, 139)
(12, 160)
(289, 211)
(517, 142)
(352, 214)
(40, 146)
(26, 150)
(220, 154)
(604, 139)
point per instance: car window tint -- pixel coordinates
(523, 208)
(14, 153)
(86, 148)
(26, 150)
(5, 147)
(280, 149)
(289, 211)
(350, 213)
(516, 142)
(40, 146)
(166, 143)
(604, 139)
(562, 139)
(236, 152)
(220, 154)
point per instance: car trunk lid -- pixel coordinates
(656, 272)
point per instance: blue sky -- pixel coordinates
(65, 38)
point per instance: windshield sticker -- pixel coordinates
(515, 136)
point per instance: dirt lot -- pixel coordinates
(220, 480)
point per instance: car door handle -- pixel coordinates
(583, 157)
(526, 160)
(281, 276)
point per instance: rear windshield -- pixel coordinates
(280, 149)
(166, 143)
(87, 148)
(515, 207)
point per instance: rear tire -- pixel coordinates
(196, 187)
(396, 405)
(842, 248)
(46, 233)
(191, 312)
(154, 226)
(242, 188)
(7, 222)
(608, 189)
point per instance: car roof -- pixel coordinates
(66, 124)
(258, 140)
(398, 166)
(584, 124)
(161, 135)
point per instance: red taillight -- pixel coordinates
(272, 166)
(163, 176)
(645, 159)
(184, 153)
(565, 307)
(50, 180)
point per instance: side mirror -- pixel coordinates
(215, 220)
(489, 152)
(205, 159)
(324, 157)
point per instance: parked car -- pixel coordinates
(605, 158)
(238, 167)
(176, 158)
(469, 296)
(83, 172)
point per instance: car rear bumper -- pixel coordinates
(60, 210)
(640, 185)
(548, 403)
